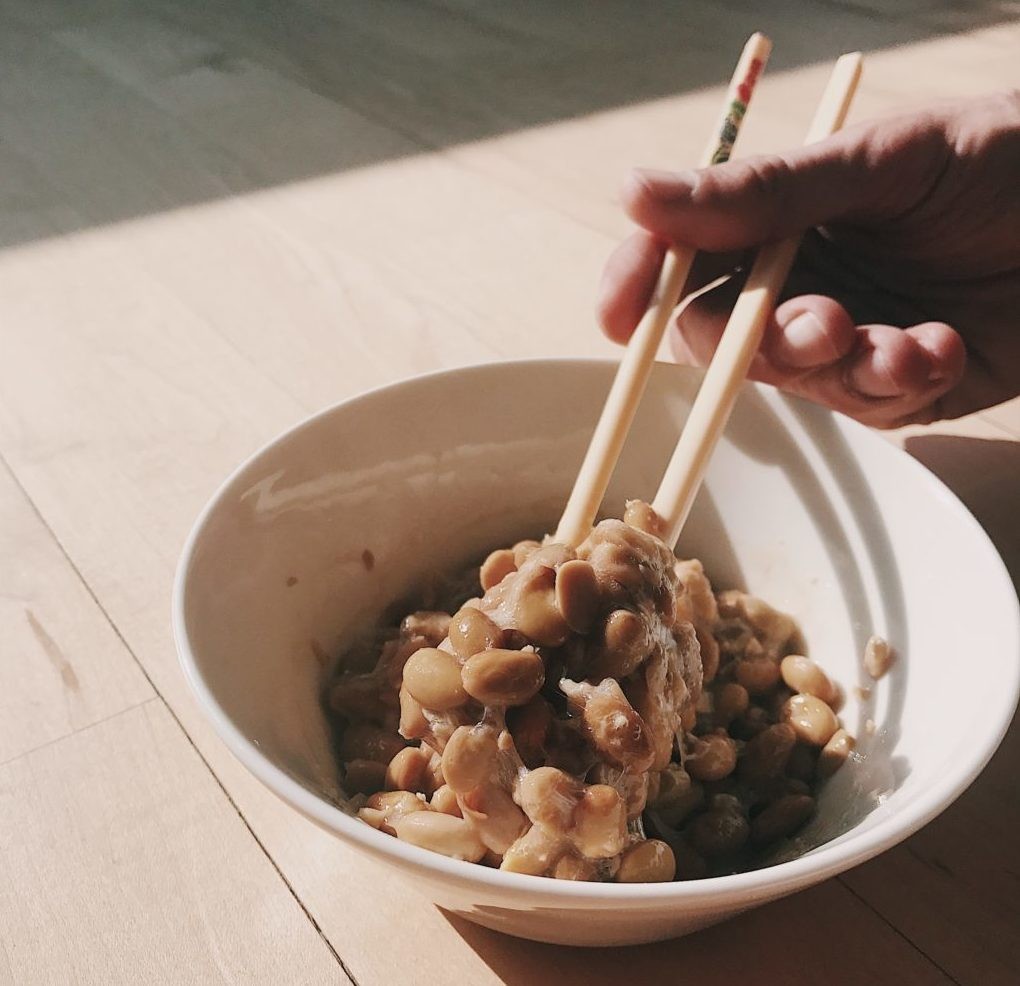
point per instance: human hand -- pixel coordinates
(904, 302)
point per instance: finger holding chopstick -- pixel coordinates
(632, 375)
(743, 333)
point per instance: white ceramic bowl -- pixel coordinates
(811, 511)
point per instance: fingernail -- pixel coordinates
(665, 182)
(802, 342)
(869, 376)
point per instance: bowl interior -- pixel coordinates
(320, 532)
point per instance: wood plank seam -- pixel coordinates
(988, 416)
(173, 715)
(900, 934)
(76, 732)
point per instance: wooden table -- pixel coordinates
(216, 221)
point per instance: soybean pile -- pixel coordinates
(597, 713)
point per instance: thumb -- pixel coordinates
(873, 172)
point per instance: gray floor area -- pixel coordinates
(114, 108)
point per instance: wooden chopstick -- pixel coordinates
(632, 374)
(743, 333)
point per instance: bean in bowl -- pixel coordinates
(591, 714)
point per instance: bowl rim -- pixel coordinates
(769, 882)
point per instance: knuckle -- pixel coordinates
(768, 175)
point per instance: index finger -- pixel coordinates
(628, 280)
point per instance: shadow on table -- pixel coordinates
(827, 923)
(952, 887)
(115, 109)
(985, 475)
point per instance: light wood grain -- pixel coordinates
(1006, 416)
(123, 862)
(219, 219)
(122, 858)
(61, 668)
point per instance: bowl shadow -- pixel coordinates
(828, 921)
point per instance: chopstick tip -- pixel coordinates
(757, 49)
(852, 63)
